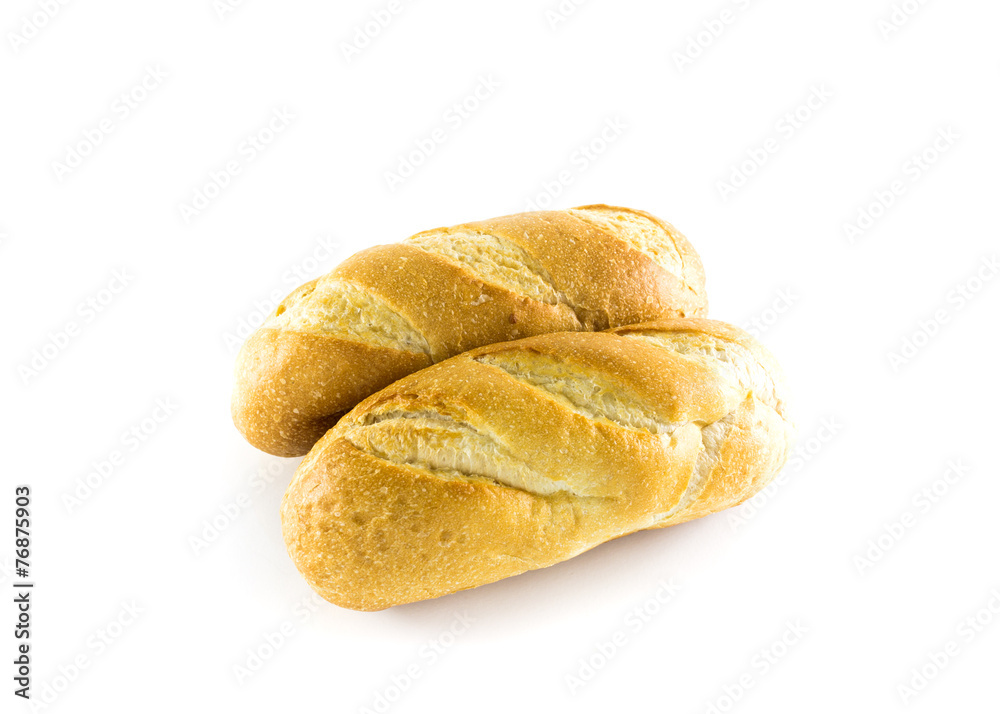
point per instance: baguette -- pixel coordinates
(393, 309)
(519, 455)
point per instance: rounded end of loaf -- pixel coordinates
(753, 444)
(669, 248)
(319, 525)
(291, 387)
(700, 334)
(266, 407)
(367, 534)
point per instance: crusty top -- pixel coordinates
(596, 266)
(518, 455)
(392, 309)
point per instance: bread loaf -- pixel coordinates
(393, 309)
(519, 455)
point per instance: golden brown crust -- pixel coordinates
(516, 456)
(608, 281)
(392, 309)
(455, 311)
(691, 273)
(293, 385)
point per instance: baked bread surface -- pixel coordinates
(394, 309)
(519, 455)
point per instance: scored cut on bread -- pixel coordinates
(519, 455)
(393, 309)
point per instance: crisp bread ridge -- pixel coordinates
(494, 259)
(595, 396)
(449, 448)
(745, 367)
(339, 308)
(639, 230)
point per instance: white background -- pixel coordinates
(833, 308)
